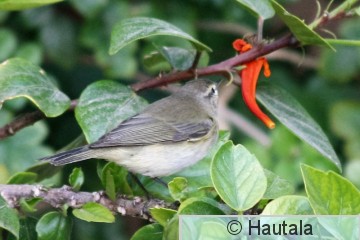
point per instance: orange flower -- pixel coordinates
(249, 77)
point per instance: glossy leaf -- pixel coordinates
(238, 177)
(27, 229)
(8, 218)
(103, 105)
(94, 212)
(276, 186)
(297, 26)
(179, 58)
(260, 8)
(290, 113)
(114, 179)
(289, 205)
(330, 193)
(171, 231)
(177, 188)
(200, 206)
(76, 178)
(155, 62)
(149, 232)
(24, 4)
(132, 29)
(20, 78)
(29, 205)
(23, 178)
(162, 215)
(54, 226)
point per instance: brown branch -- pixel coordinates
(58, 197)
(26, 120)
(221, 68)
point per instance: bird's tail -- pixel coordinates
(74, 155)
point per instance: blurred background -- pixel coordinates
(70, 41)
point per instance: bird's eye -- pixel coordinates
(213, 90)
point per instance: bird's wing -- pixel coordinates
(144, 129)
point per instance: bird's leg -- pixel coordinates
(159, 180)
(136, 179)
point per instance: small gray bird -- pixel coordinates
(167, 136)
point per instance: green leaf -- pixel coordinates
(290, 113)
(179, 58)
(200, 206)
(94, 212)
(27, 229)
(238, 177)
(330, 193)
(171, 230)
(177, 188)
(114, 179)
(276, 186)
(132, 29)
(162, 215)
(76, 178)
(155, 62)
(24, 4)
(149, 232)
(29, 205)
(23, 178)
(20, 78)
(103, 105)
(54, 226)
(289, 205)
(301, 31)
(8, 218)
(259, 8)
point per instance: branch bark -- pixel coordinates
(58, 197)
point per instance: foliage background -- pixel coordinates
(70, 40)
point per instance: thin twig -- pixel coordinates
(26, 120)
(221, 68)
(58, 197)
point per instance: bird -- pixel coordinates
(167, 136)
